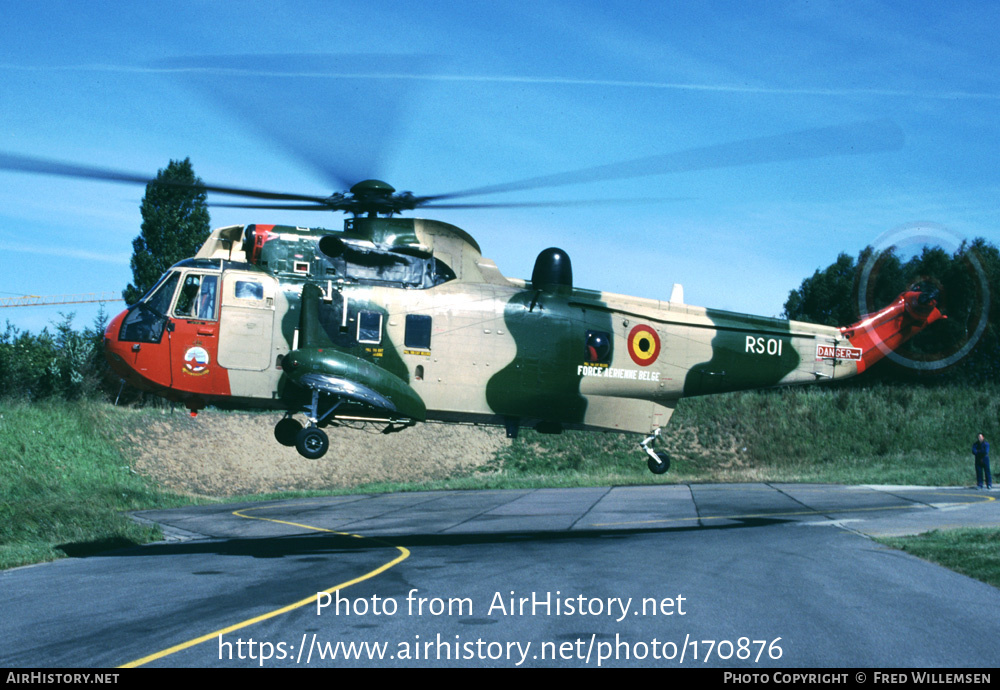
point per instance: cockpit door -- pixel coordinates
(247, 320)
(194, 336)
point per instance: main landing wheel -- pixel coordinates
(661, 464)
(286, 431)
(312, 442)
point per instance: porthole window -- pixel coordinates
(597, 349)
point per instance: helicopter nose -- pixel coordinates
(111, 331)
(139, 358)
(114, 349)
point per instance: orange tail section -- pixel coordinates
(880, 333)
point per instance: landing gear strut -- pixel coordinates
(659, 460)
(311, 441)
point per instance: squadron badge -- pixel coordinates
(196, 361)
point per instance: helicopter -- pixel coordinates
(397, 321)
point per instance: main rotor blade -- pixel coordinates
(526, 204)
(841, 140)
(307, 103)
(45, 166)
(276, 207)
(556, 204)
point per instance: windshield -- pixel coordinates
(159, 297)
(146, 319)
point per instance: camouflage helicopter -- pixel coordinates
(403, 320)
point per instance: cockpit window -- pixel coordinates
(206, 299)
(188, 296)
(197, 297)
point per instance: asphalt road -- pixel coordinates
(744, 576)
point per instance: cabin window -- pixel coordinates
(249, 289)
(418, 331)
(597, 349)
(369, 327)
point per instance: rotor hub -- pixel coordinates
(372, 188)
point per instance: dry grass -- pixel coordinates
(222, 454)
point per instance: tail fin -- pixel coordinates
(880, 333)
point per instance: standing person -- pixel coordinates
(981, 451)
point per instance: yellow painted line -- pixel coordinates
(978, 499)
(404, 554)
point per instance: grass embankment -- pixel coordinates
(64, 483)
(876, 435)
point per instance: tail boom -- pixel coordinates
(880, 333)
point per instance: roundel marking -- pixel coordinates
(643, 345)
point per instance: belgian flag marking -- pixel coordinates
(643, 345)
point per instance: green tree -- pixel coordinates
(70, 365)
(830, 296)
(175, 223)
(24, 363)
(827, 297)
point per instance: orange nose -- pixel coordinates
(143, 363)
(116, 351)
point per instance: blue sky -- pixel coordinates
(502, 91)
